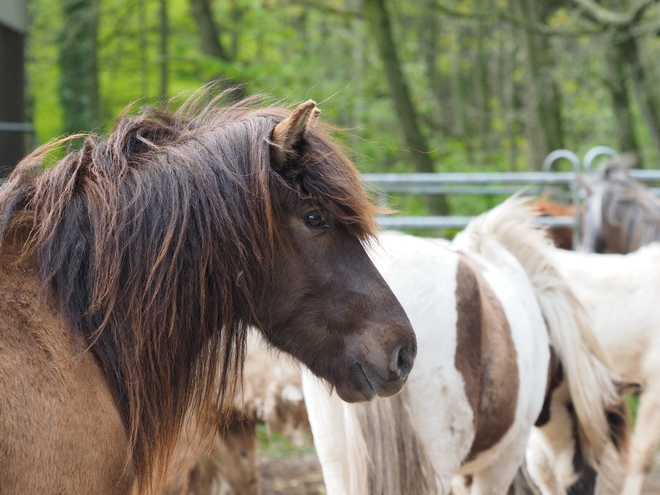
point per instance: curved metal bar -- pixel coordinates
(591, 155)
(575, 190)
(558, 155)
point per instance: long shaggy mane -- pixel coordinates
(155, 241)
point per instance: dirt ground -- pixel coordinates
(291, 475)
(297, 474)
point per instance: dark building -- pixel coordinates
(15, 133)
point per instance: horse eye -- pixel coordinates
(315, 219)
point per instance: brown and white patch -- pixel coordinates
(485, 356)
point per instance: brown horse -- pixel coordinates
(130, 271)
(561, 236)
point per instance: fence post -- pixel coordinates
(575, 196)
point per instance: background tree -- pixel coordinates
(475, 84)
(418, 149)
(79, 87)
(623, 49)
(544, 129)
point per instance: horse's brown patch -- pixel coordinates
(486, 357)
(561, 236)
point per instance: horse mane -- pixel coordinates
(628, 206)
(155, 242)
(384, 453)
(589, 372)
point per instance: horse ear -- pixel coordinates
(288, 133)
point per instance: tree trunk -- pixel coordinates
(647, 103)
(79, 88)
(615, 80)
(163, 32)
(429, 53)
(142, 37)
(208, 30)
(12, 80)
(461, 100)
(483, 87)
(381, 30)
(542, 101)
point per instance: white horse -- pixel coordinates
(503, 344)
(621, 293)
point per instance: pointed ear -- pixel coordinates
(288, 133)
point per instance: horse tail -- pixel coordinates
(587, 367)
(385, 455)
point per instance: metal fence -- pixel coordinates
(495, 183)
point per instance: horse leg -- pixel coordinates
(644, 441)
(540, 468)
(497, 477)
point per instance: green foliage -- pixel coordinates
(633, 405)
(462, 63)
(275, 445)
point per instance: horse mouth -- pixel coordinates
(360, 389)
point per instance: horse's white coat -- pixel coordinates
(494, 469)
(622, 295)
(422, 274)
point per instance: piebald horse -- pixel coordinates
(620, 293)
(503, 345)
(130, 271)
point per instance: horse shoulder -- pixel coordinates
(486, 357)
(60, 431)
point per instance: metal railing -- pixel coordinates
(16, 127)
(494, 183)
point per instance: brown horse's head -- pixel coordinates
(161, 244)
(326, 304)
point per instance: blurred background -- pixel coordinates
(418, 85)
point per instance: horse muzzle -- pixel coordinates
(375, 373)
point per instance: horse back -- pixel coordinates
(60, 431)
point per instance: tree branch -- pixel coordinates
(606, 17)
(501, 16)
(353, 13)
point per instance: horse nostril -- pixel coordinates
(404, 362)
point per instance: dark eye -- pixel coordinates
(316, 220)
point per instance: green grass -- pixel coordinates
(276, 445)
